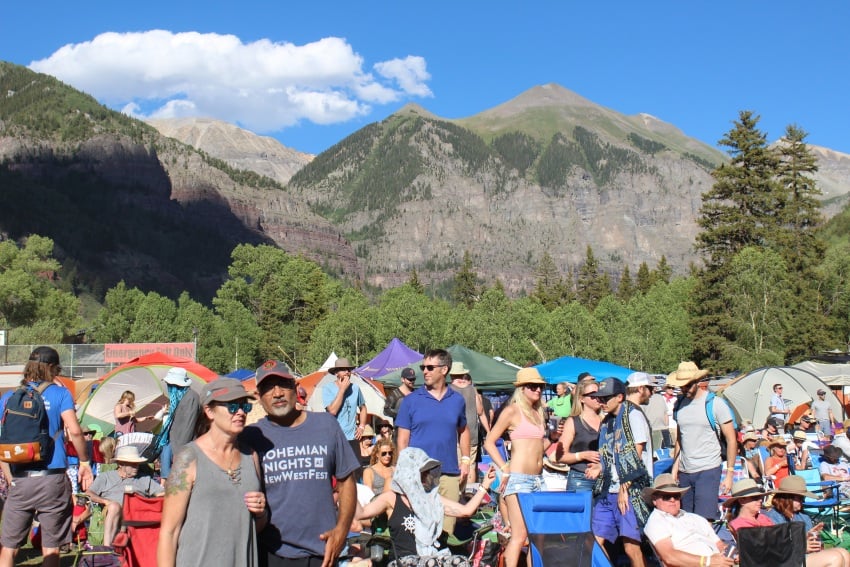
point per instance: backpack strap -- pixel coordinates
(40, 389)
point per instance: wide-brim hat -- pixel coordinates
(341, 364)
(224, 390)
(552, 465)
(458, 369)
(793, 485)
(744, 488)
(526, 376)
(177, 376)
(749, 436)
(777, 442)
(367, 432)
(663, 484)
(686, 373)
(129, 454)
(800, 435)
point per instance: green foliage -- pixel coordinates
(465, 291)
(557, 161)
(31, 304)
(591, 284)
(645, 145)
(517, 150)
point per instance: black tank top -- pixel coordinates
(402, 524)
(585, 439)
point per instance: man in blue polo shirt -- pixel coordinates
(433, 418)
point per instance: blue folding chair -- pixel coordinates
(662, 466)
(828, 497)
(559, 530)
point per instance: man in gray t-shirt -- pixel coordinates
(303, 454)
(697, 455)
(823, 413)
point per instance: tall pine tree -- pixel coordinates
(739, 210)
(591, 284)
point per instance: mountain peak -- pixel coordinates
(411, 108)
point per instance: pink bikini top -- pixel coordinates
(526, 429)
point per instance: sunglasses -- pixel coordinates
(386, 453)
(233, 407)
(603, 399)
(534, 386)
(670, 497)
(430, 367)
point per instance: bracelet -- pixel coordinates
(360, 427)
(482, 488)
(503, 467)
(702, 561)
(707, 560)
(465, 460)
(577, 456)
(86, 463)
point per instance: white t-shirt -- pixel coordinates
(700, 448)
(642, 434)
(690, 533)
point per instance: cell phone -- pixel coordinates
(731, 551)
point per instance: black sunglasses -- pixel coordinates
(430, 367)
(534, 386)
(233, 407)
(669, 497)
(386, 453)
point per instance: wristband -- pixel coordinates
(482, 488)
(86, 463)
(707, 560)
(503, 467)
(577, 455)
(465, 459)
(702, 561)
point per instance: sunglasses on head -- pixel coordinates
(431, 367)
(233, 407)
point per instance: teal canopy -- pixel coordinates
(567, 369)
(487, 372)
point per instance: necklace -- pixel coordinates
(235, 473)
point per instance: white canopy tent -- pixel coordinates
(834, 375)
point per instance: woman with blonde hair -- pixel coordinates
(525, 420)
(579, 442)
(125, 414)
(378, 475)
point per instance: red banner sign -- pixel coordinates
(123, 352)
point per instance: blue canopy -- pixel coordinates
(567, 369)
(241, 374)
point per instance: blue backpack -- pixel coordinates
(709, 413)
(25, 434)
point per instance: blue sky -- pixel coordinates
(310, 73)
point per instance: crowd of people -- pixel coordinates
(288, 489)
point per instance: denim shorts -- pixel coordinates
(577, 482)
(523, 483)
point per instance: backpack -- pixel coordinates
(709, 413)
(25, 434)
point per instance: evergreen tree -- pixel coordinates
(414, 281)
(465, 291)
(644, 278)
(591, 284)
(548, 288)
(739, 210)
(803, 249)
(626, 289)
(663, 271)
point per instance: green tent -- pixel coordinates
(487, 372)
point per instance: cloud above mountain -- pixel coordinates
(262, 85)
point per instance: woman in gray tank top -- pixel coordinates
(214, 506)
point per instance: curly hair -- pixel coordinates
(376, 450)
(784, 505)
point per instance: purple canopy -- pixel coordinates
(397, 355)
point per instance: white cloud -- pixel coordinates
(263, 85)
(410, 73)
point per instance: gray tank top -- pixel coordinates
(218, 529)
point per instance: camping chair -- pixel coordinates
(142, 516)
(782, 545)
(662, 466)
(828, 500)
(559, 531)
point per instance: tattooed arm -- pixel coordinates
(178, 489)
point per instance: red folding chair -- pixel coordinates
(141, 518)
